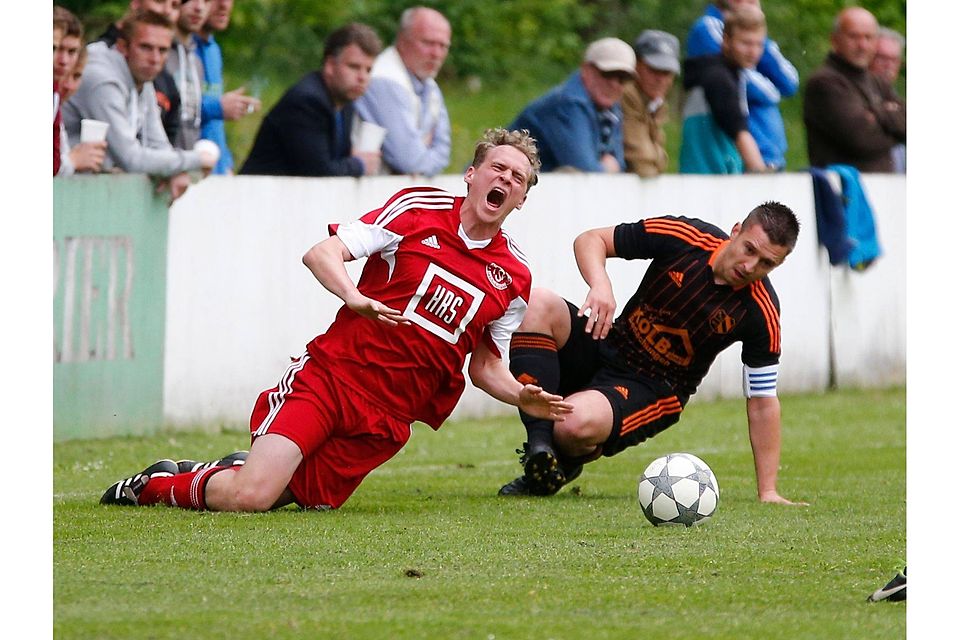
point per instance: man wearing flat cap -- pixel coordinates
(645, 102)
(578, 125)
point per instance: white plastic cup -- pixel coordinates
(93, 130)
(208, 146)
(369, 136)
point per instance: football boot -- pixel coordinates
(235, 459)
(893, 591)
(126, 492)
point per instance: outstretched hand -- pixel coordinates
(772, 497)
(370, 308)
(540, 404)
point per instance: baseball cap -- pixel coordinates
(659, 49)
(611, 54)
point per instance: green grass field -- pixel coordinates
(425, 549)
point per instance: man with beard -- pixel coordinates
(164, 84)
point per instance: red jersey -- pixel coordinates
(455, 291)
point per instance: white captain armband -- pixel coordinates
(760, 382)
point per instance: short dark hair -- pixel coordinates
(354, 33)
(64, 20)
(520, 140)
(128, 24)
(778, 221)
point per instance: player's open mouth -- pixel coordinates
(496, 196)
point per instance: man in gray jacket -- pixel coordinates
(117, 89)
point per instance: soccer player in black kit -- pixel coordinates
(630, 379)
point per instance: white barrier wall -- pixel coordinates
(240, 303)
(869, 308)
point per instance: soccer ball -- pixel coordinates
(678, 488)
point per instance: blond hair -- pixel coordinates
(520, 140)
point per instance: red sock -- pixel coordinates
(185, 490)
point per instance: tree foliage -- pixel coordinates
(514, 49)
(509, 41)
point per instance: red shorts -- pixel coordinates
(341, 434)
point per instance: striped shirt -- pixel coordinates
(679, 319)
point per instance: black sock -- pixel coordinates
(533, 360)
(569, 464)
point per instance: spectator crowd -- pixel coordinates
(148, 96)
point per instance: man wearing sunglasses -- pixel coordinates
(578, 125)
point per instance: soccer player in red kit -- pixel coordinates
(441, 281)
(630, 379)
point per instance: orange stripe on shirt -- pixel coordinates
(686, 232)
(651, 413)
(759, 293)
(530, 342)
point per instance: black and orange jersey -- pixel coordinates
(679, 319)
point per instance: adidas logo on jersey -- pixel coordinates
(676, 276)
(431, 241)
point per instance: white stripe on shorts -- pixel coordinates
(276, 398)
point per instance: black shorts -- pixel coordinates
(640, 409)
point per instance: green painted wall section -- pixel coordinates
(109, 305)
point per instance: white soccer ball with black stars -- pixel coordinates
(678, 488)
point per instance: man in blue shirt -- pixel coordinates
(218, 106)
(578, 125)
